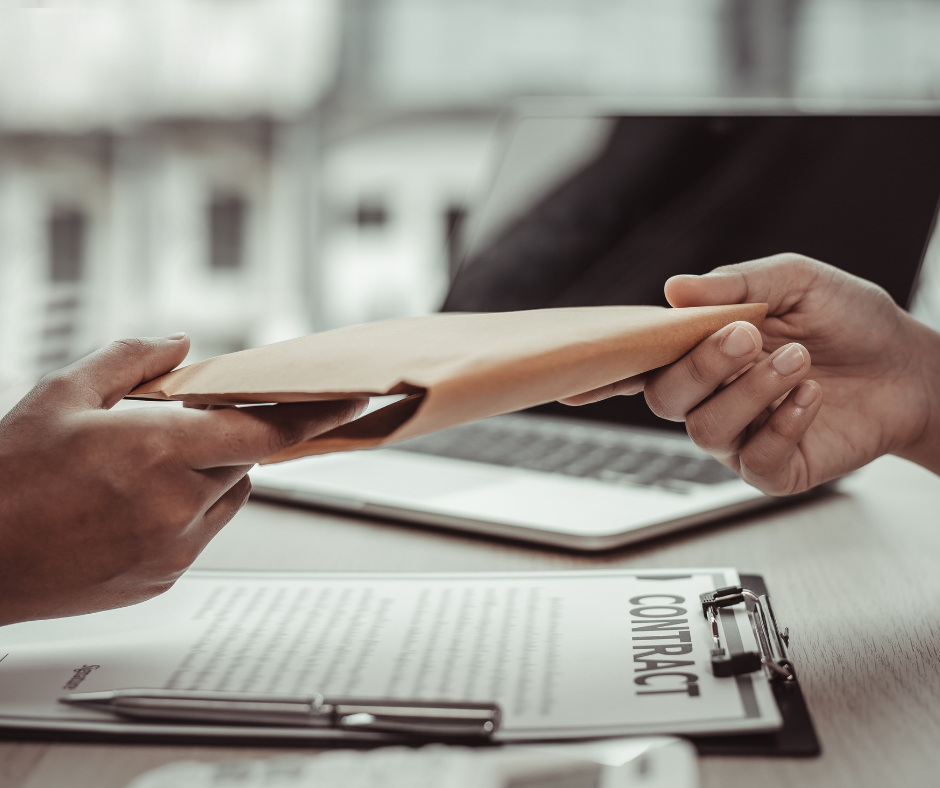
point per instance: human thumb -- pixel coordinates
(104, 377)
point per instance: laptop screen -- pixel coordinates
(589, 210)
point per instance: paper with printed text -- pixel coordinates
(565, 654)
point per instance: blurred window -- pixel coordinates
(227, 213)
(371, 214)
(66, 233)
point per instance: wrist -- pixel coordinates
(923, 446)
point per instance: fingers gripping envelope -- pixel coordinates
(454, 368)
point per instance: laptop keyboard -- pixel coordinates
(587, 452)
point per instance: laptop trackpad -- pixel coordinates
(383, 473)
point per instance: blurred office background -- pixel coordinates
(253, 170)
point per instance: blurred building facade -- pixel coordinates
(156, 164)
(253, 170)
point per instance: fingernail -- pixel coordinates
(178, 335)
(805, 395)
(789, 361)
(738, 343)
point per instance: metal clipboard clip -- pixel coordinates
(773, 656)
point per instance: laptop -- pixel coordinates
(597, 208)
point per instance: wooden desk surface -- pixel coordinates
(855, 577)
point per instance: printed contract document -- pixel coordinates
(566, 654)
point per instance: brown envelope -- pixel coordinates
(456, 368)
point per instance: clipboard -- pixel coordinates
(797, 737)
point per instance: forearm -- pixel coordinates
(923, 447)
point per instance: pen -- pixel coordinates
(431, 719)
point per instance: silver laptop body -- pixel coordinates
(563, 482)
(665, 192)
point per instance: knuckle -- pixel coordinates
(284, 434)
(732, 268)
(162, 535)
(791, 260)
(59, 384)
(180, 507)
(759, 386)
(161, 587)
(182, 557)
(252, 432)
(782, 430)
(776, 482)
(230, 504)
(234, 509)
(660, 402)
(671, 398)
(224, 516)
(693, 365)
(805, 268)
(701, 428)
(155, 449)
(83, 438)
(53, 379)
(128, 346)
(238, 496)
(631, 386)
(129, 350)
(179, 518)
(763, 466)
(759, 461)
(172, 543)
(244, 487)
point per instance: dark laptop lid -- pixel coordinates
(593, 210)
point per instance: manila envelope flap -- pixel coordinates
(454, 367)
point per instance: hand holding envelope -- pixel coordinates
(455, 368)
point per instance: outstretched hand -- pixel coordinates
(837, 376)
(102, 508)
